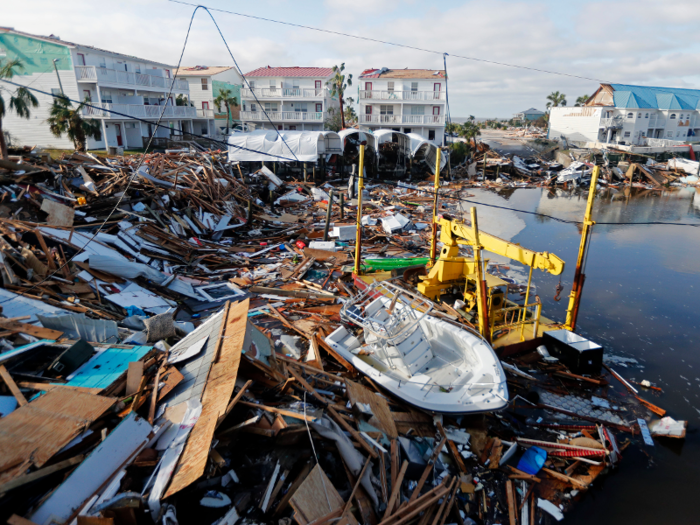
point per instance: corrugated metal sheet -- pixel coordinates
(647, 97)
(20, 306)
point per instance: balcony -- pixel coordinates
(283, 93)
(613, 123)
(282, 116)
(402, 95)
(422, 120)
(137, 111)
(103, 75)
(205, 113)
(657, 123)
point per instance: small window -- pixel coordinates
(673, 116)
(390, 86)
(253, 108)
(205, 84)
(55, 92)
(386, 110)
(644, 133)
(630, 115)
(669, 134)
(414, 86)
(204, 131)
(627, 133)
(368, 110)
(646, 115)
(417, 110)
(639, 115)
(436, 110)
(252, 84)
(431, 134)
(270, 106)
(319, 108)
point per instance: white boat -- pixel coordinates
(428, 362)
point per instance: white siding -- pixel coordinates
(575, 123)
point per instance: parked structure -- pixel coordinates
(132, 86)
(631, 115)
(407, 100)
(529, 114)
(288, 98)
(205, 83)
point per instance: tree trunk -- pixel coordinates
(342, 112)
(228, 117)
(3, 144)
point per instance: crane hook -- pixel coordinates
(558, 290)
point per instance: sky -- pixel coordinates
(644, 42)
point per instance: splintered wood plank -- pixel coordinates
(41, 428)
(30, 329)
(133, 377)
(217, 394)
(315, 497)
(383, 417)
(5, 375)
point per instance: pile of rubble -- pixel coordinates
(171, 366)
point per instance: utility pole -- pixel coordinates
(58, 76)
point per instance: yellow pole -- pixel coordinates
(579, 277)
(527, 300)
(433, 241)
(360, 187)
(481, 305)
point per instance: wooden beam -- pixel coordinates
(395, 489)
(41, 473)
(427, 470)
(12, 386)
(233, 402)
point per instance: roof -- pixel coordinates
(201, 71)
(402, 73)
(56, 40)
(294, 71)
(531, 111)
(647, 97)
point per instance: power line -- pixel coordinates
(386, 42)
(143, 157)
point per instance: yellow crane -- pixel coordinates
(452, 272)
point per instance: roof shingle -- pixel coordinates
(295, 71)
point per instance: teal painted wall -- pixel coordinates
(36, 55)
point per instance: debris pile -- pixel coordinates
(172, 366)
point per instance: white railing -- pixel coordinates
(287, 116)
(610, 122)
(101, 74)
(402, 95)
(137, 111)
(205, 113)
(275, 92)
(657, 123)
(429, 120)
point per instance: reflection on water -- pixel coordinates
(640, 300)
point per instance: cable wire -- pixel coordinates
(131, 178)
(386, 42)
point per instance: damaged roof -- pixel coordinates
(402, 73)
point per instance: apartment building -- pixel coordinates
(133, 87)
(288, 98)
(529, 114)
(630, 115)
(407, 100)
(205, 83)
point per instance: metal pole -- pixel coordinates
(58, 76)
(481, 305)
(523, 319)
(579, 276)
(433, 240)
(328, 216)
(358, 234)
(342, 205)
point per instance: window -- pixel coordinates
(138, 68)
(81, 59)
(292, 128)
(86, 95)
(673, 116)
(300, 107)
(252, 84)
(205, 105)
(406, 130)
(103, 62)
(386, 110)
(644, 133)
(55, 92)
(273, 87)
(436, 110)
(417, 110)
(669, 134)
(319, 108)
(414, 86)
(204, 131)
(431, 134)
(627, 133)
(253, 108)
(639, 115)
(167, 72)
(205, 84)
(318, 84)
(270, 106)
(368, 86)
(368, 110)
(107, 96)
(646, 115)
(630, 115)
(390, 86)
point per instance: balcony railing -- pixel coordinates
(614, 123)
(657, 123)
(429, 120)
(105, 109)
(205, 113)
(282, 116)
(139, 80)
(282, 93)
(402, 95)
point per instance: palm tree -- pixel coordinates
(468, 131)
(20, 101)
(226, 98)
(338, 86)
(556, 99)
(181, 100)
(580, 101)
(452, 127)
(64, 119)
(472, 118)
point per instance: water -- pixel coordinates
(640, 300)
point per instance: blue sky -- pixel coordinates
(646, 42)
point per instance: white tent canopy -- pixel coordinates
(429, 150)
(362, 137)
(282, 146)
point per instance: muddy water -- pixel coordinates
(641, 300)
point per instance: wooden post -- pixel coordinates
(433, 240)
(328, 216)
(481, 289)
(358, 235)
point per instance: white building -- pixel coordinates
(288, 98)
(407, 100)
(630, 115)
(205, 83)
(132, 86)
